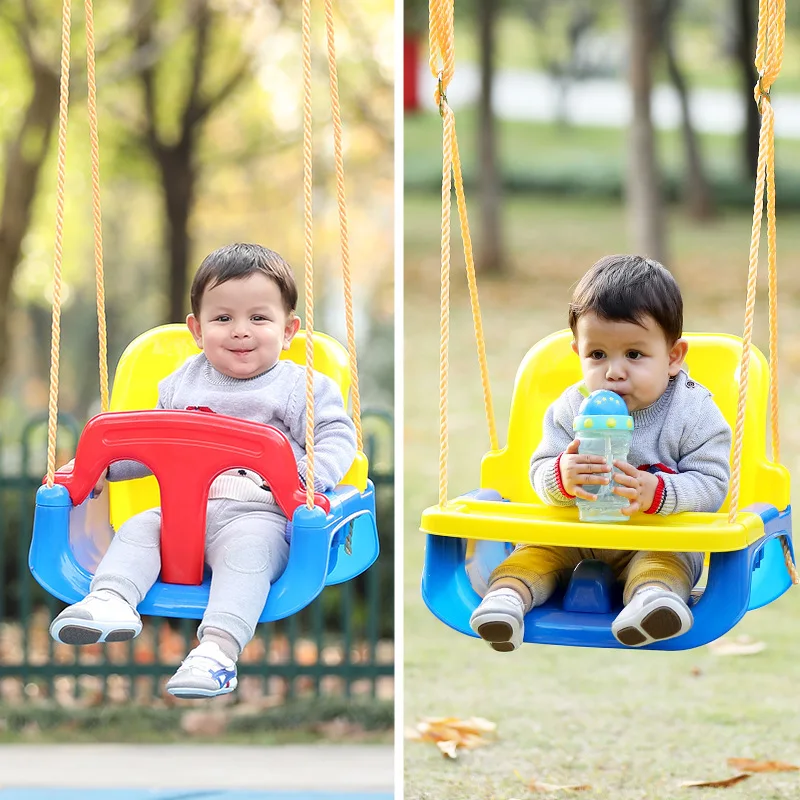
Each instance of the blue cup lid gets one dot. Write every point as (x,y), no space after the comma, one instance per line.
(603,410)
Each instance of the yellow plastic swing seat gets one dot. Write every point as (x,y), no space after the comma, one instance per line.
(160,351)
(546,371)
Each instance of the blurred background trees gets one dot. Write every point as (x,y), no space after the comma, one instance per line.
(200,138)
(649,101)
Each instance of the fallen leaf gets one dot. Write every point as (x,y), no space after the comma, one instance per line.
(540,786)
(450,733)
(695,672)
(751,765)
(723,784)
(448,748)
(740,646)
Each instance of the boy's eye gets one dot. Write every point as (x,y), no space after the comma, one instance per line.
(260,318)
(634,355)
(596,355)
(223,318)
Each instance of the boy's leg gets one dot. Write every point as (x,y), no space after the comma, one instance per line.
(247,551)
(657,588)
(525,579)
(123,577)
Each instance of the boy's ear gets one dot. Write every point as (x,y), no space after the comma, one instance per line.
(290,331)
(194,329)
(677,355)
(575,347)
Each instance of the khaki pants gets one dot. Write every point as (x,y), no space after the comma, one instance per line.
(535,571)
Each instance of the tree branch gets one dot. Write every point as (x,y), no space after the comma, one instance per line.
(193,103)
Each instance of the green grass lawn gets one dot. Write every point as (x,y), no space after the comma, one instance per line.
(593,160)
(633,725)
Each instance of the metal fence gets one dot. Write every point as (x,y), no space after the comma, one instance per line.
(341,644)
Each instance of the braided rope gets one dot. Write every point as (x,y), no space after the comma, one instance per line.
(444,304)
(102,335)
(770,41)
(442,64)
(61,170)
(341,198)
(308,232)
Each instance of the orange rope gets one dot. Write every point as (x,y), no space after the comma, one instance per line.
(770,40)
(444,307)
(102,335)
(55,336)
(308,231)
(442,64)
(336,117)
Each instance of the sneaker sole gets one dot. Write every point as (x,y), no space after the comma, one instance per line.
(199,694)
(660,624)
(663,623)
(80,632)
(499,635)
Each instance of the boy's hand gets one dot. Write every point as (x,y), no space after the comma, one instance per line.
(635,484)
(578,469)
(101,482)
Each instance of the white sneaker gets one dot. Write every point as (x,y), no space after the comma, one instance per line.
(101,616)
(499,620)
(652,615)
(205,672)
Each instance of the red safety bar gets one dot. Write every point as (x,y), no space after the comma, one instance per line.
(186,450)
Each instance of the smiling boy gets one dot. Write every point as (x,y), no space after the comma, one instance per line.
(243,316)
(626,317)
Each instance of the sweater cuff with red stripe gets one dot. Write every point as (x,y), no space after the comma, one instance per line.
(559,485)
(658,498)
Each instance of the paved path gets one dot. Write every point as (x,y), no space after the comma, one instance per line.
(177,794)
(210,772)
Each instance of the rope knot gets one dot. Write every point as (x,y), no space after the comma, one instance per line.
(761,92)
(440,95)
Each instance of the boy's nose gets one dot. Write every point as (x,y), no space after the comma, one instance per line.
(241,330)
(615,371)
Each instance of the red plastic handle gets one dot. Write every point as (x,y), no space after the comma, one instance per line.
(186,450)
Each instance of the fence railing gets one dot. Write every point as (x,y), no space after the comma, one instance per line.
(341,644)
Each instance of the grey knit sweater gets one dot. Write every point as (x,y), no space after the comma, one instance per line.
(682,438)
(276,397)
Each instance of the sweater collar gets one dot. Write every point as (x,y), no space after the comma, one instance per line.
(216,378)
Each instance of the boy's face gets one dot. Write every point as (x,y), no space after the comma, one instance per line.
(243,326)
(635,361)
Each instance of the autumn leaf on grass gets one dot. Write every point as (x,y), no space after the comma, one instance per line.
(740,646)
(723,784)
(450,733)
(751,765)
(540,786)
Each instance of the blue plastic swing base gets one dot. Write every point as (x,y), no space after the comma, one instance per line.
(316,556)
(738,582)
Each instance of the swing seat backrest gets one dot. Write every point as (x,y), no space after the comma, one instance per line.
(156,353)
(713,360)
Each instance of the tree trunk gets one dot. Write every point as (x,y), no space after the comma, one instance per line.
(645,206)
(178,179)
(26,154)
(490,253)
(696,191)
(745,54)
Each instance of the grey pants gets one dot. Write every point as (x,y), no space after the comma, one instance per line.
(246,550)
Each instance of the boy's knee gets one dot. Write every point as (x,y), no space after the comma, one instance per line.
(143,530)
(250,555)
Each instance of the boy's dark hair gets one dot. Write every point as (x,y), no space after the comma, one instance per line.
(238,261)
(626,288)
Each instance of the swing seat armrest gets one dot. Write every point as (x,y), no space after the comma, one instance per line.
(466,517)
